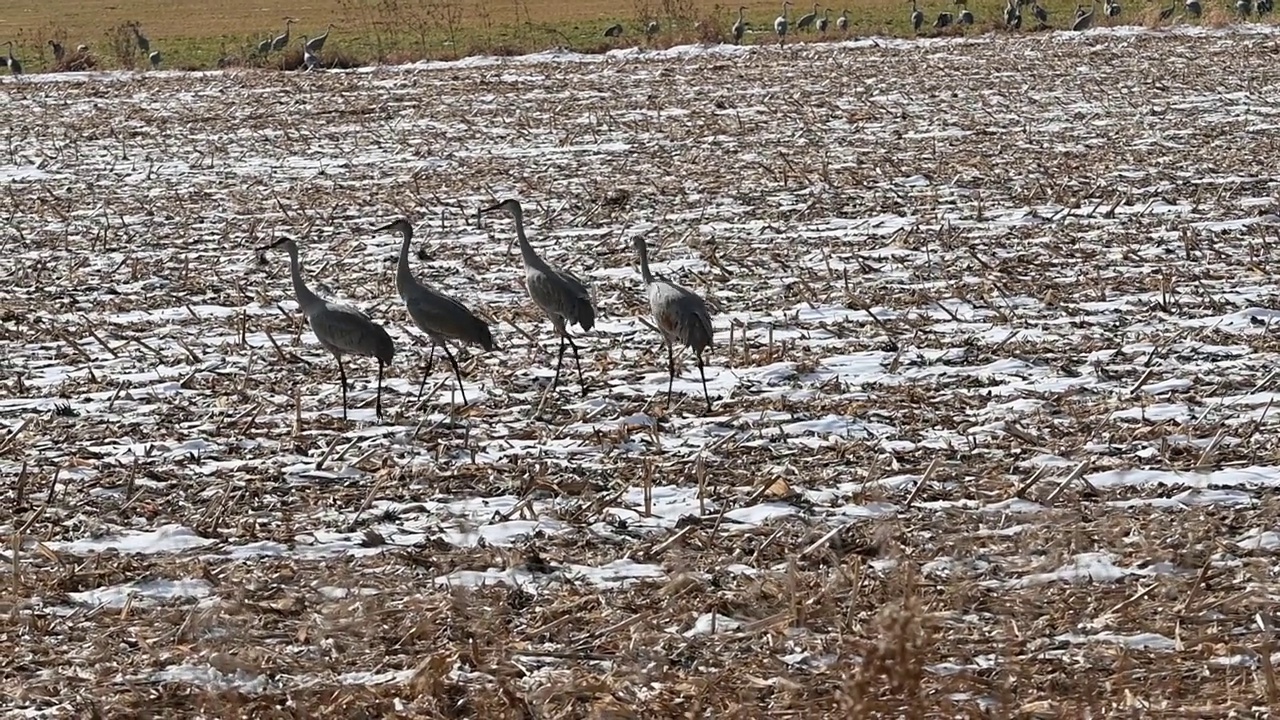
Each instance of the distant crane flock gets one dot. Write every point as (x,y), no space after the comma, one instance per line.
(682,317)
(818,20)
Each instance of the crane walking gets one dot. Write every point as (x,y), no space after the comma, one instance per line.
(560,295)
(144,45)
(842,22)
(155,59)
(309,59)
(316,44)
(59,52)
(441,317)
(342,330)
(282,40)
(682,316)
(740,27)
(806,21)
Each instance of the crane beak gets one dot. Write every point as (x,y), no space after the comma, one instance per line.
(387,227)
(491,208)
(275,244)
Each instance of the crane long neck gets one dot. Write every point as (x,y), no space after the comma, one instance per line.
(642,249)
(305,297)
(526,250)
(404,277)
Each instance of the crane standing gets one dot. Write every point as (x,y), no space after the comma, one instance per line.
(59,52)
(155,59)
(780,24)
(15,67)
(842,22)
(824,22)
(740,27)
(144,45)
(441,317)
(342,330)
(560,295)
(917,17)
(682,316)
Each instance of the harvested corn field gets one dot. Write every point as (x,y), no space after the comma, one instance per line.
(992,379)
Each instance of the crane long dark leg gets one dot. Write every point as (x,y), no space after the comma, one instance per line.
(456,372)
(577,360)
(559,362)
(702,372)
(426,371)
(379,401)
(342,375)
(671,370)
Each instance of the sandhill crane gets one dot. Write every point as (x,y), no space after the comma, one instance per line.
(155,59)
(944,20)
(144,45)
(740,27)
(1113,8)
(613,31)
(1012,15)
(842,22)
(342,330)
(264,47)
(1041,14)
(681,315)
(1168,12)
(1263,7)
(82,49)
(824,22)
(441,317)
(966,17)
(1084,20)
(1243,8)
(15,67)
(1193,8)
(59,52)
(316,44)
(652,28)
(780,24)
(309,59)
(917,17)
(282,40)
(560,295)
(806,21)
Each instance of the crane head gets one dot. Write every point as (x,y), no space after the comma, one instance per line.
(285,241)
(400,225)
(511,205)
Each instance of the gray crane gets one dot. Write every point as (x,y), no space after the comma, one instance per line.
(917,17)
(144,45)
(652,28)
(1012,15)
(155,59)
(15,67)
(441,317)
(316,44)
(59,52)
(682,316)
(341,329)
(1041,14)
(780,25)
(1243,8)
(966,17)
(740,27)
(1083,21)
(1113,8)
(806,21)
(944,20)
(264,47)
(282,40)
(824,22)
(560,295)
(613,31)
(842,22)
(309,59)
(1168,12)
(1193,8)
(1263,7)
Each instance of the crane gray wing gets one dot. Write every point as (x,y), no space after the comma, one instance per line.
(579,307)
(444,315)
(347,330)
